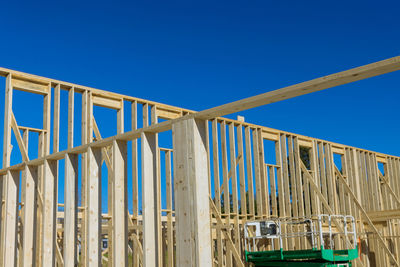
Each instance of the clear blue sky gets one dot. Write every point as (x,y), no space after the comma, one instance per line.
(198,55)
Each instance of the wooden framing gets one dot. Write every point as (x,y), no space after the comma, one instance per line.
(29,215)
(120,204)
(71,210)
(9,221)
(93,256)
(191,184)
(149,180)
(209,158)
(49,212)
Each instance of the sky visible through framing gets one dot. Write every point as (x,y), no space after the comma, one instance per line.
(198,55)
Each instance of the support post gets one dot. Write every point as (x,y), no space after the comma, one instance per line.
(191,194)
(135,187)
(29,216)
(9,225)
(71,209)
(120,204)
(6,160)
(49,213)
(7,123)
(149,202)
(93,255)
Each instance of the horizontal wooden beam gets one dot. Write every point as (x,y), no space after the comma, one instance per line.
(383,215)
(30,86)
(340,78)
(168,114)
(107,102)
(344,77)
(39,80)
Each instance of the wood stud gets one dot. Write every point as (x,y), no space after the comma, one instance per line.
(226,164)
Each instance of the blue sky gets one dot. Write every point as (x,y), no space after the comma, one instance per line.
(201,54)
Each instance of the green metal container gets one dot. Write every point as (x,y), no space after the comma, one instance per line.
(311,257)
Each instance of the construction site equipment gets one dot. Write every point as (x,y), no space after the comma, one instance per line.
(320,241)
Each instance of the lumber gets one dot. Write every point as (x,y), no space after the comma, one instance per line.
(249,167)
(49,212)
(120,204)
(10,221)
(169,200)
(315,85)
(18,136)
(94,207)
(191,190)
(364,213)
(56,119)
(233,161)
(7,122)
(71,109)
(384,215)
(215,158)
(135,186)
(29,215)
(149,202)
(71,210)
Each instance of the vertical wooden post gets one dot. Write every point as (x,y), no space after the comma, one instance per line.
(48,174)
(285,177)
(40,207)
(249,169)
(110,204)
(191,194)
(145,115)
(7,123)
(299,186)
(71,109)
(357,181)
(233,173)
(4,219)
(257,175)
(49,213)
(217,187)
(120,118)
(322,172)
(47,120)
(264,181)
(56,119)
(135,189)
(280,155)
(9,224)
(135,185)
(225,176)
(2,215)
(154,120)
(225,172)
(217,193)
(149,202)
(170,227)
(86,116)
(316,175)
(120,205)
(112,259)
(93,254)
(25,138)
(242,175)
(71,209)
(29,216)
